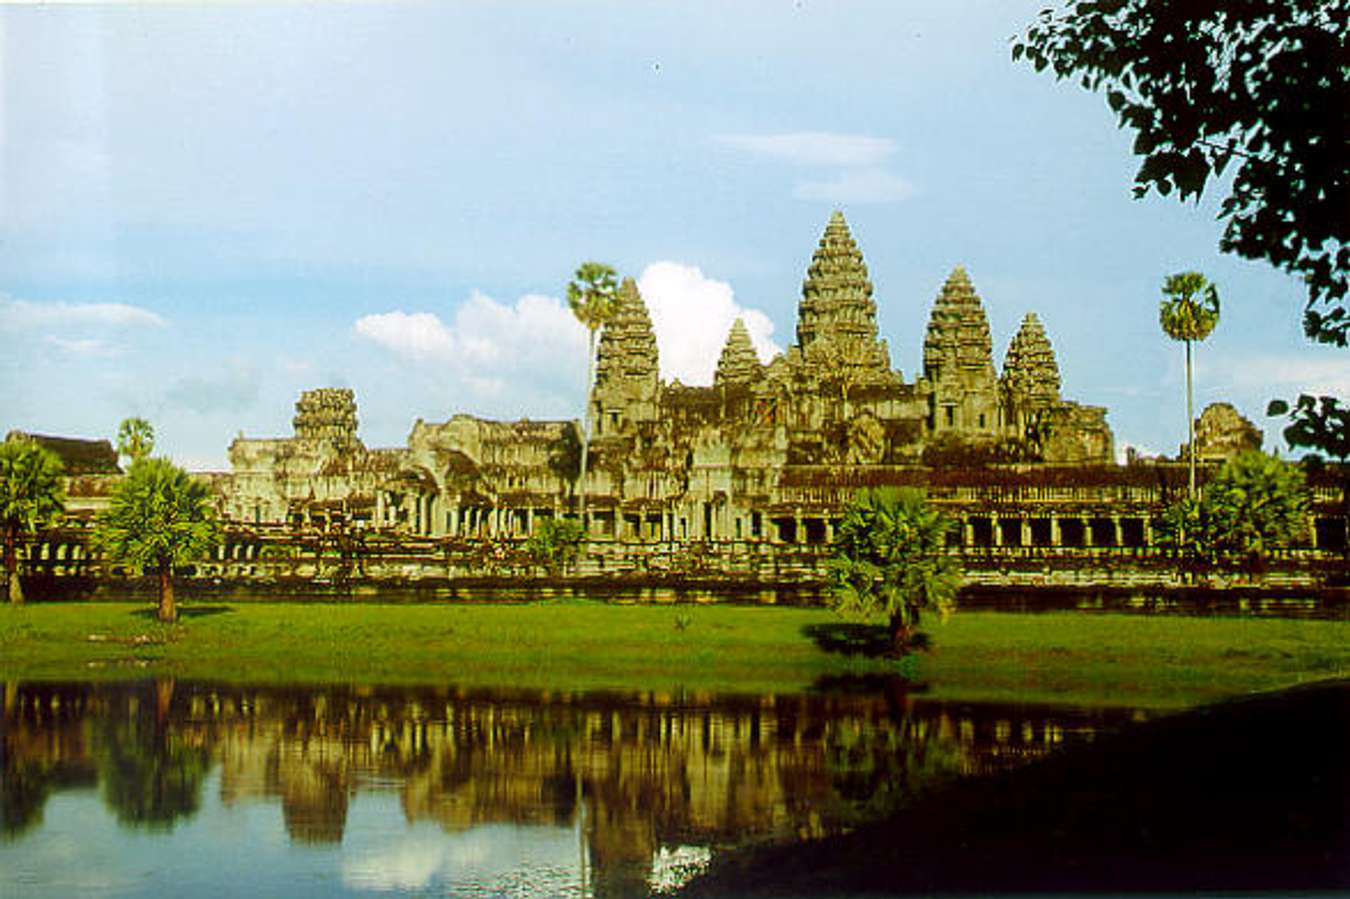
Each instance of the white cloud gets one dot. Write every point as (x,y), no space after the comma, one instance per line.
(691,315)
(22,314)
(81,346)
(856,186)
(1302,373)
(421,335)
(521,358)
(858,160)
(819,148)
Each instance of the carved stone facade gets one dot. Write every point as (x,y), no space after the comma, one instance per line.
(676,463)
(1222,433)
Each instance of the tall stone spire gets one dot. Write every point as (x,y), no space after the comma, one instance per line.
(739,363)
(627,354)
(957,347)
(836,295)
(1030,372)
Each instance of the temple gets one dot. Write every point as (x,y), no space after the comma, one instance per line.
(738,482)
(677,462)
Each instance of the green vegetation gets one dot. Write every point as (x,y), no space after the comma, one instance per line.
(1209,84)
(555,543)
(889,561)
(1256,504)
(31,497)
(135,439)
(1189,313)
(593,296)
(159,518)
(576,645)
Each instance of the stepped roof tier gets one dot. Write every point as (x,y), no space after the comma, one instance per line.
(739,363)
(1030,371)
(628,351)
(326,415)
(957,345)
(837,317)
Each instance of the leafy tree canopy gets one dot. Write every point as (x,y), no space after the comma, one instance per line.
(1262,86)
(31,497)
(31,494)
(135,438)
(1191,309)
(890,560)
(159,516)
(555,543)
(593,293)
(1254,505)
(1316,423)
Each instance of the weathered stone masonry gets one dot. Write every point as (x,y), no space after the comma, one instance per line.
(749,475)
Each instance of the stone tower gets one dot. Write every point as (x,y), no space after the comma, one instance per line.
(327,416)
(627,371)
(739,363)
(1030,372)
(837,317)
(958,361)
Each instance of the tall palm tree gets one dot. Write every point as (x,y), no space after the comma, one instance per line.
(159,518)
(593,295)
(31,497)
(135,438)
(1189,313)
(890,559)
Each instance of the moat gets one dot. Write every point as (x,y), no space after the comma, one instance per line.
(156,787)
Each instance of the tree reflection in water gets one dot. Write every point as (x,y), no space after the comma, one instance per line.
(637,776)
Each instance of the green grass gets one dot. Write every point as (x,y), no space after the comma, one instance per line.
(572,645)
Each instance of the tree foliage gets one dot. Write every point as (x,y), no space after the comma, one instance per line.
(31,498)
(1254,505)
(1321,423)
(1191,309)
(890,560)
(555,543)
(593,297)
(1190,313)
(135,438)
(1260,86)
(159,518)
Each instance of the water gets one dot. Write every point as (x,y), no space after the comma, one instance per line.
(164,788)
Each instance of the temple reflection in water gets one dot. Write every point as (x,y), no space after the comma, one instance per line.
(649,783)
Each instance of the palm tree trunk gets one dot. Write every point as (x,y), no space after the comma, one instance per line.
(1190,422)
(586,425)
(12,565)
(167,610)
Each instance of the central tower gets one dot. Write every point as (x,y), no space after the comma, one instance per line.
(837,317)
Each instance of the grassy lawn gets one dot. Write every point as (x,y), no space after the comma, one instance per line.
(571,644)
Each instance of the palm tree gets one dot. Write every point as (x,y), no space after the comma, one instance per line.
(1189,313)
(890,559)
(31,497)
(135,438)
(593,295)
(158,518)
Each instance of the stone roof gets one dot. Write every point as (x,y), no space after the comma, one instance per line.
(957,344)
(628,344)
(78,456)
(739,363)
(326,415)
(1030,371)
(836,295)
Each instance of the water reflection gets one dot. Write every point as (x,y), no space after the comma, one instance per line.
(515,792)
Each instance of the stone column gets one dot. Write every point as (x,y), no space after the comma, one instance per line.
(997,528)
(1056,535)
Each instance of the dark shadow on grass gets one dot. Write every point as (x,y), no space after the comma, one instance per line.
(1247,795)
(870,640)
(187,611)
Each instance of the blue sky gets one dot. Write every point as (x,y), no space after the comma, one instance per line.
(205,210)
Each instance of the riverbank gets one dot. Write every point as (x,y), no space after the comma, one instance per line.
(1244,795)
(1092,659)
